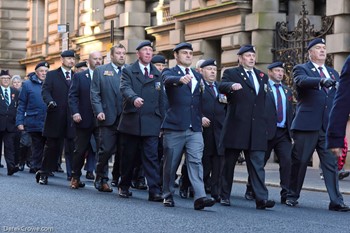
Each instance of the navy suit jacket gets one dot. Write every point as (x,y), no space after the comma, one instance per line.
(184,106)
(144,121)
(314,103)
(8,113)
(79,99)
(271,110)
(341,109)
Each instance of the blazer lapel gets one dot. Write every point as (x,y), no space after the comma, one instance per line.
(245,78)
(113,80)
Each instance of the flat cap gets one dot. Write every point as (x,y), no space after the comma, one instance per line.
(68,53)
(183,45)
(81,64)
(315,42)
(43,63)
(246,48)
(4,73)
(143,44)
(275,64)
(209,62)
(158,59)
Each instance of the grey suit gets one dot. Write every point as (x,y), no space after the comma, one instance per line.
(105,97)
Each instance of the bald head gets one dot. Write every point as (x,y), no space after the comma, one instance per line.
(95,59)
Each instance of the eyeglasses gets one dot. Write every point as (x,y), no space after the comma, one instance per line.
(5,78)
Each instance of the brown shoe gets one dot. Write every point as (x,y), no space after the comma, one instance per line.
(105,188)
(75,183)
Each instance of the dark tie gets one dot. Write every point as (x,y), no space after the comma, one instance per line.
(323,76)
(212,89)
(279,103)
(251,79)
(67,77)
(187,70)
(146,72)
(7,99)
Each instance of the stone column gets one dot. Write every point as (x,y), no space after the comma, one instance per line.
(339,43)
(262,23)
(134,20)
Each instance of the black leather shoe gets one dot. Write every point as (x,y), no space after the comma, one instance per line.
(190,192)
(43,180)
(141,184)
(249,195)
(216,198)
(283,200)
(183,193)
(114,183)
(261,205)
(124,193)
(340,207)
(1,165)
(12,170)
(90,176)
(169,201)
(156,197)
(203,202)
(21,167)
(37,176)
(343,174)
(291,203)
(225,202)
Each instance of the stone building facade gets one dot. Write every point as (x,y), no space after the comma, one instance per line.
(216,28)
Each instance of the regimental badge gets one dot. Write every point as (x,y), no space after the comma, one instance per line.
(201,86)
(87,75)
(265,87)
(108,73)
(157,86)
(313,69)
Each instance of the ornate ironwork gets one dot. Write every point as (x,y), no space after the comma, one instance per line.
(290,46)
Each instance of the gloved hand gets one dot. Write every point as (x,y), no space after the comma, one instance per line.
(327,82)
(52,104)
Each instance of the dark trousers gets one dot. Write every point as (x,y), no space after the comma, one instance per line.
(130,153)
(255,161)
(108,140)
(68,155)
(52,152)
(9,139)
(82,145)
(282,145)
(212,170)
(305,142)
(38,143)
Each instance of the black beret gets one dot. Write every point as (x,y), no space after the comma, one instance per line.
(68,53)
(209,62)
(143,44)
(158,59)
(183,45)
(275,64)
(315,42)
(4,73)
(81,64)
(246,48)
(43,63)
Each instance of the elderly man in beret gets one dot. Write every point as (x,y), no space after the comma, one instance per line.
(8,130)
(58,124)
(183,126)
(316,87)
(245,126)
(81,66)
(159,62)
(31,113)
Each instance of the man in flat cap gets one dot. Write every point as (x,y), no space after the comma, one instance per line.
(245,125)
(106,101)
(83,116)
(31,113)
(316,87)
(81,66)
(58,122)
(182,126)
(8,131)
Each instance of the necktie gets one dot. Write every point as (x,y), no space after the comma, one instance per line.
(279,103)
(67,78)
(322,76)
(7,99)
(187,70)
(251,79)
(146,72)
(212,89)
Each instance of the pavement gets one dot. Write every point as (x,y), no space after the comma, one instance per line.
(312,180)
